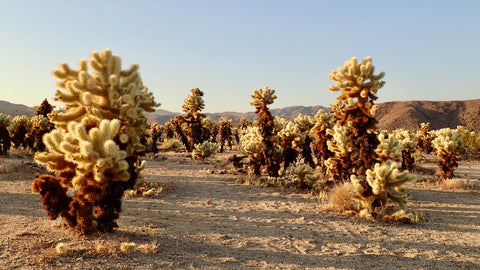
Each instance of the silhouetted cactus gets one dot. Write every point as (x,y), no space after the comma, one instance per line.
(226,135)
(5,141)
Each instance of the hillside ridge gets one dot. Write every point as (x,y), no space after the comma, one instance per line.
(391,115)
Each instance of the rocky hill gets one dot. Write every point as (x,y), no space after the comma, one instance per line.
(391,115)
(15,109)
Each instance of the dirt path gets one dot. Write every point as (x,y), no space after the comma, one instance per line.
(207,221)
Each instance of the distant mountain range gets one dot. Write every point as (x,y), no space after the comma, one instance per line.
(391,115)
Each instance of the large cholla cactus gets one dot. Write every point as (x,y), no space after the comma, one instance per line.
(93,148)
(261,99)
(448,144)
(354,108)
(5,141)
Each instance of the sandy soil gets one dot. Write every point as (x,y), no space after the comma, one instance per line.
(208,221)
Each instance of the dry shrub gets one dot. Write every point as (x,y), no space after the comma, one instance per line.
(340,198)
(11,166)
(459,183)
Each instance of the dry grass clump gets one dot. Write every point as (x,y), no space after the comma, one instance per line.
(340,198)
(459,183)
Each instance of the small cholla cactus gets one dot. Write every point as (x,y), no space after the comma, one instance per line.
(251,145)
(40,125)
(409,141)
(189,127)
(448,144)
(471,142)
(291,142)
(304,176)
(5,141)
(226,134)
(210,129)
(169,130)
(425,138)
(261,99)
(205,150)
(94,147)
(18,129)
(304,124)
(244,123)
(388,148)
(44,108)
(383,182)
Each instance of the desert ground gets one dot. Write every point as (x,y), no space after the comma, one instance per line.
(205,219)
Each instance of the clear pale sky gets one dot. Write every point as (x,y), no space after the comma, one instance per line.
(429,50)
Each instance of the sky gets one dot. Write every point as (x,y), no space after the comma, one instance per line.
(429,50)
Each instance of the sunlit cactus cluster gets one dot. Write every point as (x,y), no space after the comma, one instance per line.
(93,148)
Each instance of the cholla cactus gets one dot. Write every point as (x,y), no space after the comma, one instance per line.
(5,142)
(39,126)
(189,127)
(339,165)
(225,133)
(383,182)
(304,124)
(291,142)
(354,108)
(210,129)
(425,137)
(262,98)
(323,122)
(471,142)
(388,148)
(251,145)
(205,150)
(19,128)
(409,141)
(304,176)
(93,148)
(44,108)
(448,144)
(169,130)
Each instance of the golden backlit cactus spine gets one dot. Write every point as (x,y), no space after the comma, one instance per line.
(93,148)
(447,144)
